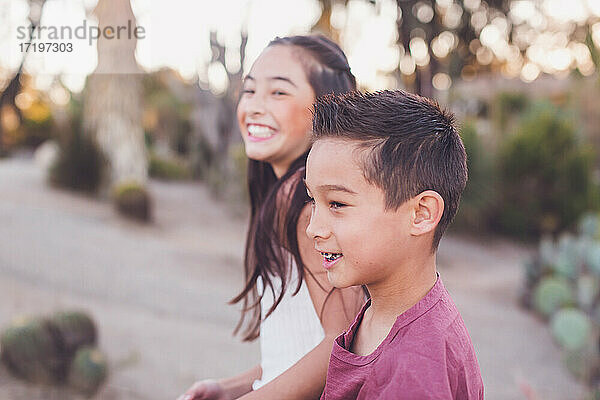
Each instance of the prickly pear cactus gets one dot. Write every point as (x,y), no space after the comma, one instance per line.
(592,258)
(71,330)
(589,225)
(88,370)
(565,265)
(587,291)
(563,274)
(29,351)
(547,251)
(571,328)
(582,363)
(550,294)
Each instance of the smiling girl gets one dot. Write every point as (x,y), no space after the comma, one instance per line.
(287,300)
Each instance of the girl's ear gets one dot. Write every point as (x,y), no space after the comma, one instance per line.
(427,212)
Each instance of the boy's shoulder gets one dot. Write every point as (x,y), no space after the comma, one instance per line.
(438,335)
(435,345)
(439,331)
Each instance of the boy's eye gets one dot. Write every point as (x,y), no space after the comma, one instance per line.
(336,205)
(279,93)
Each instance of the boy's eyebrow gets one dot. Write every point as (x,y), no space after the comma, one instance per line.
(280,78)
(334,188)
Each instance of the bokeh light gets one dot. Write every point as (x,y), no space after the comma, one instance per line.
(441,81)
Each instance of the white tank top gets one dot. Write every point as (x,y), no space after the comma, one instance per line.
(292,330)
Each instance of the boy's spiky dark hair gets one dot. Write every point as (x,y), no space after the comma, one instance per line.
(412,145)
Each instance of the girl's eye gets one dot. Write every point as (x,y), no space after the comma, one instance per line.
(336,205)
(247,91)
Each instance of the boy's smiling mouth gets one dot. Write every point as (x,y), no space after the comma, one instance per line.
(329,259)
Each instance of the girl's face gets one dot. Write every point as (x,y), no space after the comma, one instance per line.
(274,112)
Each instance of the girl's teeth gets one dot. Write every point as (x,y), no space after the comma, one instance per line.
(260,131)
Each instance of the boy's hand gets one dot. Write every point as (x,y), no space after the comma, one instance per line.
(207,389)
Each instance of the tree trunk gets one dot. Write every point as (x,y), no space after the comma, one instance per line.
(113,102)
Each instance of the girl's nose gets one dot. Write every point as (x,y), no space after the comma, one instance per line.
(255,105)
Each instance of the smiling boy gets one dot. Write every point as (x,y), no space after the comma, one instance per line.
(385,175)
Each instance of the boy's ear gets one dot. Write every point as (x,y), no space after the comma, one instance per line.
(428,208)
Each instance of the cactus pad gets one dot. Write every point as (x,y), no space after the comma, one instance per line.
(571,328)
(551,294)
(88,370)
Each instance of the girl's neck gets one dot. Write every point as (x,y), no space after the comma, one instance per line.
(279,169)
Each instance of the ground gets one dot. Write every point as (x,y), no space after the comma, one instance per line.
(159,292)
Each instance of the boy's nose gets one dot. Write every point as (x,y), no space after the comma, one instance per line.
(316,229)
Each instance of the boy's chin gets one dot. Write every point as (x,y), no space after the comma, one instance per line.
(337,281)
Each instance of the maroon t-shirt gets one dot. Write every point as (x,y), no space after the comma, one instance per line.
(428,354)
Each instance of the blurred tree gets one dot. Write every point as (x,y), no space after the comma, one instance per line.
(167,107)
(323,24)
(463,38)
(595,54)
(442,37)
(214,122)
(7,100)
(113,101)
(9,94)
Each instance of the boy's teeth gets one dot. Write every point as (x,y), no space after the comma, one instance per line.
(260,131)
(331,256)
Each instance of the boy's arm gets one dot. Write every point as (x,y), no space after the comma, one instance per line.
(306,378)
(303,380)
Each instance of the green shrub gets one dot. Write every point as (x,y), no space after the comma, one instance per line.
(79,164)
(507,107)
(162,168)
(227,179)
(478,197)
(133,201)
(545,176)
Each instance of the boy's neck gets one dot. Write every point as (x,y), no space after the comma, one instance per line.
(403,290)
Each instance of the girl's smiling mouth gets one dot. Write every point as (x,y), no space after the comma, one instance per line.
(259,132)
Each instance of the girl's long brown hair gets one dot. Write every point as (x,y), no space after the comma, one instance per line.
(276,204)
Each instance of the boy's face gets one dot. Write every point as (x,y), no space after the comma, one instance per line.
(349,218)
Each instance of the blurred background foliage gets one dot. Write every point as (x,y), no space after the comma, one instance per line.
(562,287)
(533,167)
